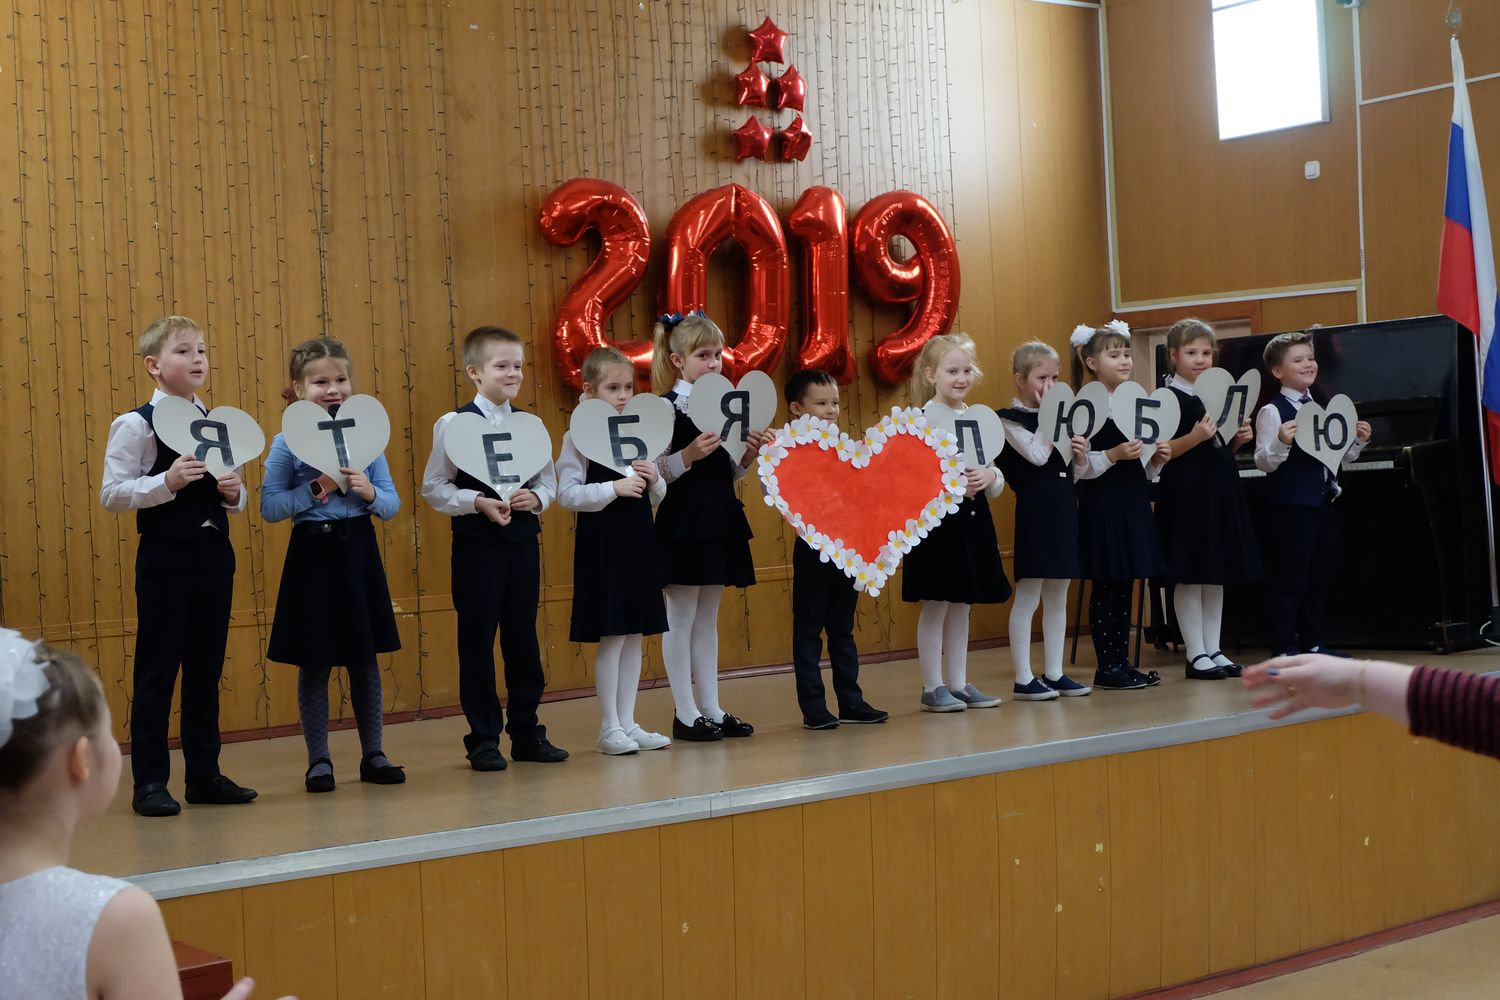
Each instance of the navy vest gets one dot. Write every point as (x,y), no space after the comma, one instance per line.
(1301,480)
(183,517)
(523,524)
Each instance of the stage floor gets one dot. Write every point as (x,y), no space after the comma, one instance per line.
(447,809)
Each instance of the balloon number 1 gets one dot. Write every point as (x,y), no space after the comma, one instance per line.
(930,279)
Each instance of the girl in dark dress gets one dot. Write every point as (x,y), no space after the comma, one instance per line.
(1117,542)
(616,600)
(1046,527)
(958,564)
(1201,513)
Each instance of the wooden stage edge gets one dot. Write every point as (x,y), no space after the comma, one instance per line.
(446,810)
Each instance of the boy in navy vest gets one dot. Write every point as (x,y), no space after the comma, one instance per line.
(496,567)
(1302,490)
(184,579)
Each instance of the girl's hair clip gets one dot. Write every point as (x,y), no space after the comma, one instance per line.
(670,320)
(22,681)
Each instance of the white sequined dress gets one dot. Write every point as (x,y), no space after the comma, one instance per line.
(47,919)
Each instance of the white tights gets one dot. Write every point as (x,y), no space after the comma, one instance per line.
(1052,596)
(617,678)
(691,651)
(1200,618)
(943,644)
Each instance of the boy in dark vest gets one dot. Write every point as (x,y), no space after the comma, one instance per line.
(496,567)
(184,579)
(1303,544)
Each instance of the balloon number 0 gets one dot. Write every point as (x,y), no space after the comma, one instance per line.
(930,279)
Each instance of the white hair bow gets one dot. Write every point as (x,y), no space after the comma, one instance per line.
(1082,334)
(1118,326)
(22,681)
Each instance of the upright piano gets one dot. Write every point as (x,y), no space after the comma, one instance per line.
(1413,557)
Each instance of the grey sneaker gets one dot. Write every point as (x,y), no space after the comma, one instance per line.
(939,699)
(975,698)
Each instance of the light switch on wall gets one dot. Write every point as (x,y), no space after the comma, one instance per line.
(1312,170)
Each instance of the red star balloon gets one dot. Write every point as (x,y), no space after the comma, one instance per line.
(766,42)
(796,140)
(752,139)
(791,90)
(752,86)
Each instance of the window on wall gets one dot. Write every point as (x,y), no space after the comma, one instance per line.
(1268,65)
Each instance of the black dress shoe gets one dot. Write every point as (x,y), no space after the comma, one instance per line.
(864,714)
(1212,672)
(316,783)
(1230,669)
(821,719)
(154,800)
(701,731)
(487,759)
(220,791)
(1326,651)
(732,728)
(382,774)
(537,751)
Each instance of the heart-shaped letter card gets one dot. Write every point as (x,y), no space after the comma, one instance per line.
(863,504)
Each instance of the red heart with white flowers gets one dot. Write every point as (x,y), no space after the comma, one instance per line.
(863,503)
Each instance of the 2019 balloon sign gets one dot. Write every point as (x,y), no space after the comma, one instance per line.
(930,279)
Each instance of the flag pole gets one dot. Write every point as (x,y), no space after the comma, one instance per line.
(1484,479)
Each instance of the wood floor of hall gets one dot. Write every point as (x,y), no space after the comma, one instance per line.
(443,794)
(1459,963)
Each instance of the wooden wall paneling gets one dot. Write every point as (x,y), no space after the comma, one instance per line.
(838,898)
(1405,870)
(1028,842)
(465,910)
(622,883)
(1085,856)
(769,930)
(1301,311)
(547,952)
(1362,830)
(1184,862)
(214,922)
(1404,45)
(903,845)
(378,935)
(698,919)
(1136,873)
(1481,797)
(1320,849)
(965,820)
(290,938)
(1442,815)
(1234,831)
(1277,870)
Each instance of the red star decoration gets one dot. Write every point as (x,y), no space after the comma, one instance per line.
(796,140)
(752,139)
(752,86)
(791,90)
(766,42)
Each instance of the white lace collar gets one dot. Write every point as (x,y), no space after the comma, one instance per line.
(1016,404)
(682,390)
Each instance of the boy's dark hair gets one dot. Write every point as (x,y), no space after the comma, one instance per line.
(796,387)
(479,340)
(1276,350)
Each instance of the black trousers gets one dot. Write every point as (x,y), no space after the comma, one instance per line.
(1303,546)
(497,584)
(183,592)
(823,600)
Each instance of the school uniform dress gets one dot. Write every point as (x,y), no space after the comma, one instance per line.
(1046,541)
(184,585)
(615,572)
(1201,514)
(702,536)
(496,574)
(959,560)
(1117,538)
(333,607)
(1304,532)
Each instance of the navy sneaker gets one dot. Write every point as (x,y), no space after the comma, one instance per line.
(1035,690)
(1067,687)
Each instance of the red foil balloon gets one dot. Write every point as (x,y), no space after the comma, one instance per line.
(570,211)
(930,278)
(752,86)
(767,42)
(737,213)
(820,224)
(796,140)
(791,90)
(752,139)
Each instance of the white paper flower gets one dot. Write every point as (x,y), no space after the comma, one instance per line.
(951,465)
(1081,335)
(827,436)
(22,681)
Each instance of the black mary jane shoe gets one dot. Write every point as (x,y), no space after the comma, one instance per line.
(701,731)
(1212,672)
(732,728)
(320,782)
(1230,669)
(384,774)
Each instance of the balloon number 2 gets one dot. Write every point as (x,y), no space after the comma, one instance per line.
(929,279)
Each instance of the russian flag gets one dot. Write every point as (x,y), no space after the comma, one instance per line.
(1466,268)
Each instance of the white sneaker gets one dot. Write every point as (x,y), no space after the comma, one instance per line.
(616,743)
(648,741)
